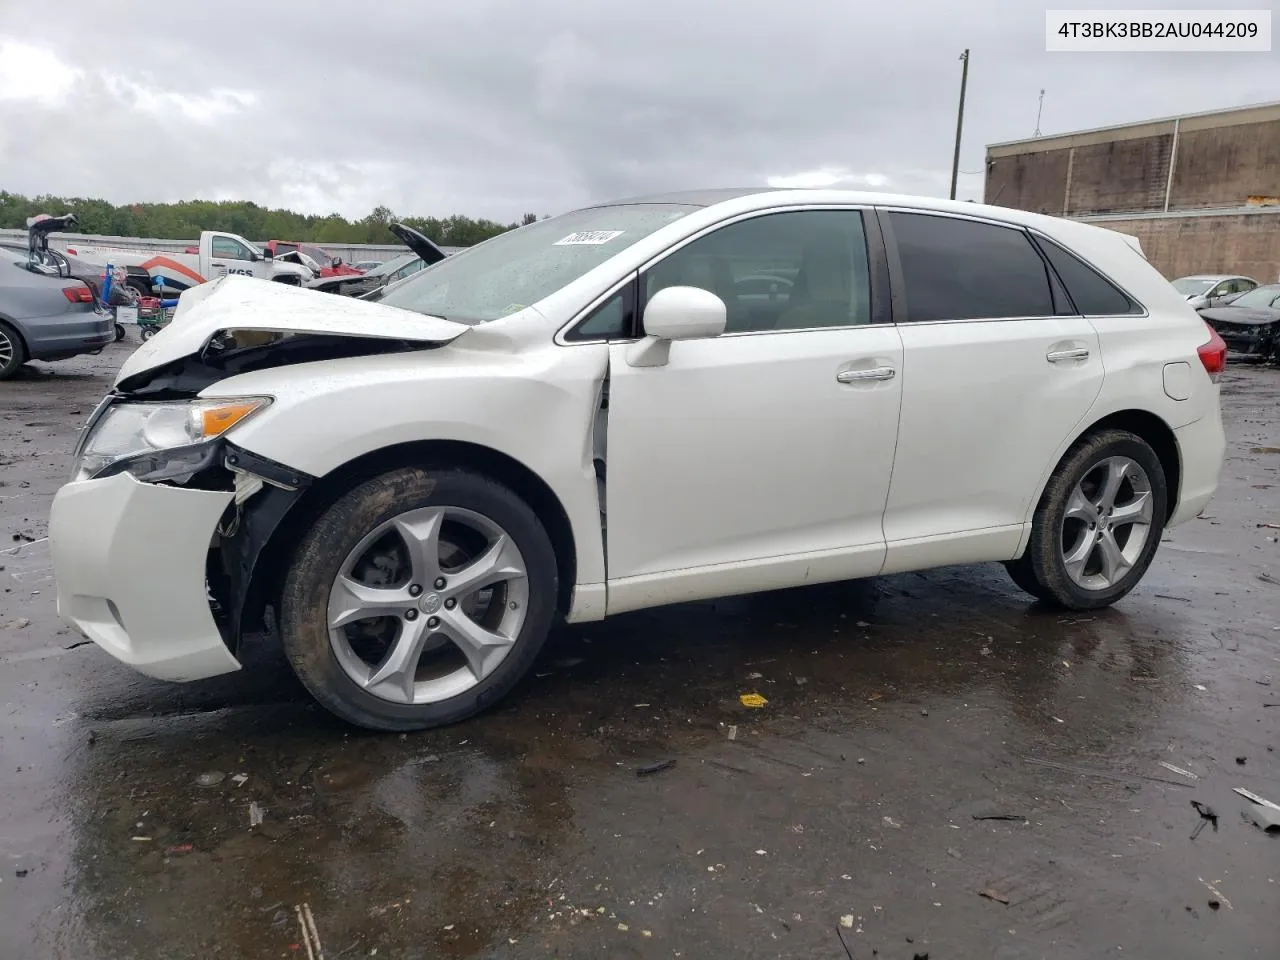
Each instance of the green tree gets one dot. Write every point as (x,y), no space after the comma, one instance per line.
(186,219)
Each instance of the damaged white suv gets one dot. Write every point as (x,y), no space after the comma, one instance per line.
(633,404)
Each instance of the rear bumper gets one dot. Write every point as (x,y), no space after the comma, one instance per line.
(130,561)
(1202,446)
(89,332)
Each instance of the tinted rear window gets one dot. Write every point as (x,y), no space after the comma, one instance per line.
(957,269)
(1093,294)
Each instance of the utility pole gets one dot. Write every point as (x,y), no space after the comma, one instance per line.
(1039,111)
(955,163)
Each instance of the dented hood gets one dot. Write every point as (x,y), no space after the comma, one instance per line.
(246,303)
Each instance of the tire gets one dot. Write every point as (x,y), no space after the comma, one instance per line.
(139,287)
(119,332)
(13,352)
(147,333)
(1061,532)
(342,666)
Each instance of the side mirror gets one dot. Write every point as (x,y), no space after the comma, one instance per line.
(266,254)
(676,313)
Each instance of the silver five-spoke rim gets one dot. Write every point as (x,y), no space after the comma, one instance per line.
(1107,523)
(6,349)
(428,605)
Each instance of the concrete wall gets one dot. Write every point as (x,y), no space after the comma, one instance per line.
(1226,162)
(1247,244)
(1219,160)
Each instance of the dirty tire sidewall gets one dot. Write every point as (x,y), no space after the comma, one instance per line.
(19,353)
(304,626)
(1044,553)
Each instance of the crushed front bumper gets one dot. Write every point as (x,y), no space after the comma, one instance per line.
(130,559)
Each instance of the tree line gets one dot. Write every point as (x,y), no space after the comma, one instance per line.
(185,220)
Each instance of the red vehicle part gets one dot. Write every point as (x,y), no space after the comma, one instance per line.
(330,266)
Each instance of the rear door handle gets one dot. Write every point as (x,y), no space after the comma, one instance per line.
(1058,356)
(875,373)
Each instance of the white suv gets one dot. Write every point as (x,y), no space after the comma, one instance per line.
(607,411)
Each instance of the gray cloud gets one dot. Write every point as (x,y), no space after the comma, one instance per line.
(497,107)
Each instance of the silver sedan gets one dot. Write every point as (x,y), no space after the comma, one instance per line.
(46,315)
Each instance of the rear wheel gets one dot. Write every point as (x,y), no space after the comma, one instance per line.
(1098,524)
(418,599)
(13,353)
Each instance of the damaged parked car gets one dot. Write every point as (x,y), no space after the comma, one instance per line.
(1249,324)
(422,253)
(599,413)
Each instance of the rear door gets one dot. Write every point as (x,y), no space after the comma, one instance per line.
(999,370)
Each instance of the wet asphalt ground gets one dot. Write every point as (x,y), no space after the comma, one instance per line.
(843,819)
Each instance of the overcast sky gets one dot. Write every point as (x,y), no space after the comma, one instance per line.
(498,107)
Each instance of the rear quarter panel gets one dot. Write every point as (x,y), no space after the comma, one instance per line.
(1136,349)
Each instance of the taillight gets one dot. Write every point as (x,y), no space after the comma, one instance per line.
(80,294)
(1213,354)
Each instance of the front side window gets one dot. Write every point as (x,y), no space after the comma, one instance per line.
(520,267)
(955,269)
(1093,294)
(796,270)
(229,249)
(1258,297)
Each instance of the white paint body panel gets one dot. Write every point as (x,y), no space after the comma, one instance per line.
(129,559)
(535,405)
(983,412)
(746,449)
(739,465)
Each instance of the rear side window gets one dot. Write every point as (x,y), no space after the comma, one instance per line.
(956,269)
(1093,294)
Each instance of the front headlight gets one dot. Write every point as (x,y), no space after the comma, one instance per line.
(159,441)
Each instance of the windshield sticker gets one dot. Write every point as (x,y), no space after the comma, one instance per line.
(511,308)
(589,237)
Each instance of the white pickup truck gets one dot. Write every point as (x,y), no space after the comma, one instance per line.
(218,255)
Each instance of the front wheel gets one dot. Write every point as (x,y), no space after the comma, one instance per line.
(418,599)
(1098,524)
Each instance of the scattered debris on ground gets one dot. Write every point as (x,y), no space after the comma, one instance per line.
(1207,815)
(1178,770)
(256,814)
(753,700)
(991,893)
(655,768)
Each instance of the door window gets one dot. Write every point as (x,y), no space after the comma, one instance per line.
(798,270)
(954,269)
(1093,294)
(230,249)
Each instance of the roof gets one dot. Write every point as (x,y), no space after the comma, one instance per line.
(1205,120)
(692,198)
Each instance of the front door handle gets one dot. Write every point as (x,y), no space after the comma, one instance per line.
(875,373)
(1058,356)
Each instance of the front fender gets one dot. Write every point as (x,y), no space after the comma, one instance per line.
(536,406)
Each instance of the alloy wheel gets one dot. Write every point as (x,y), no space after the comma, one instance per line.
(428,605)
(1107,523)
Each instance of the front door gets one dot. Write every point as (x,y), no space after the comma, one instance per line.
(228,254)
(760,458)
(999,371)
